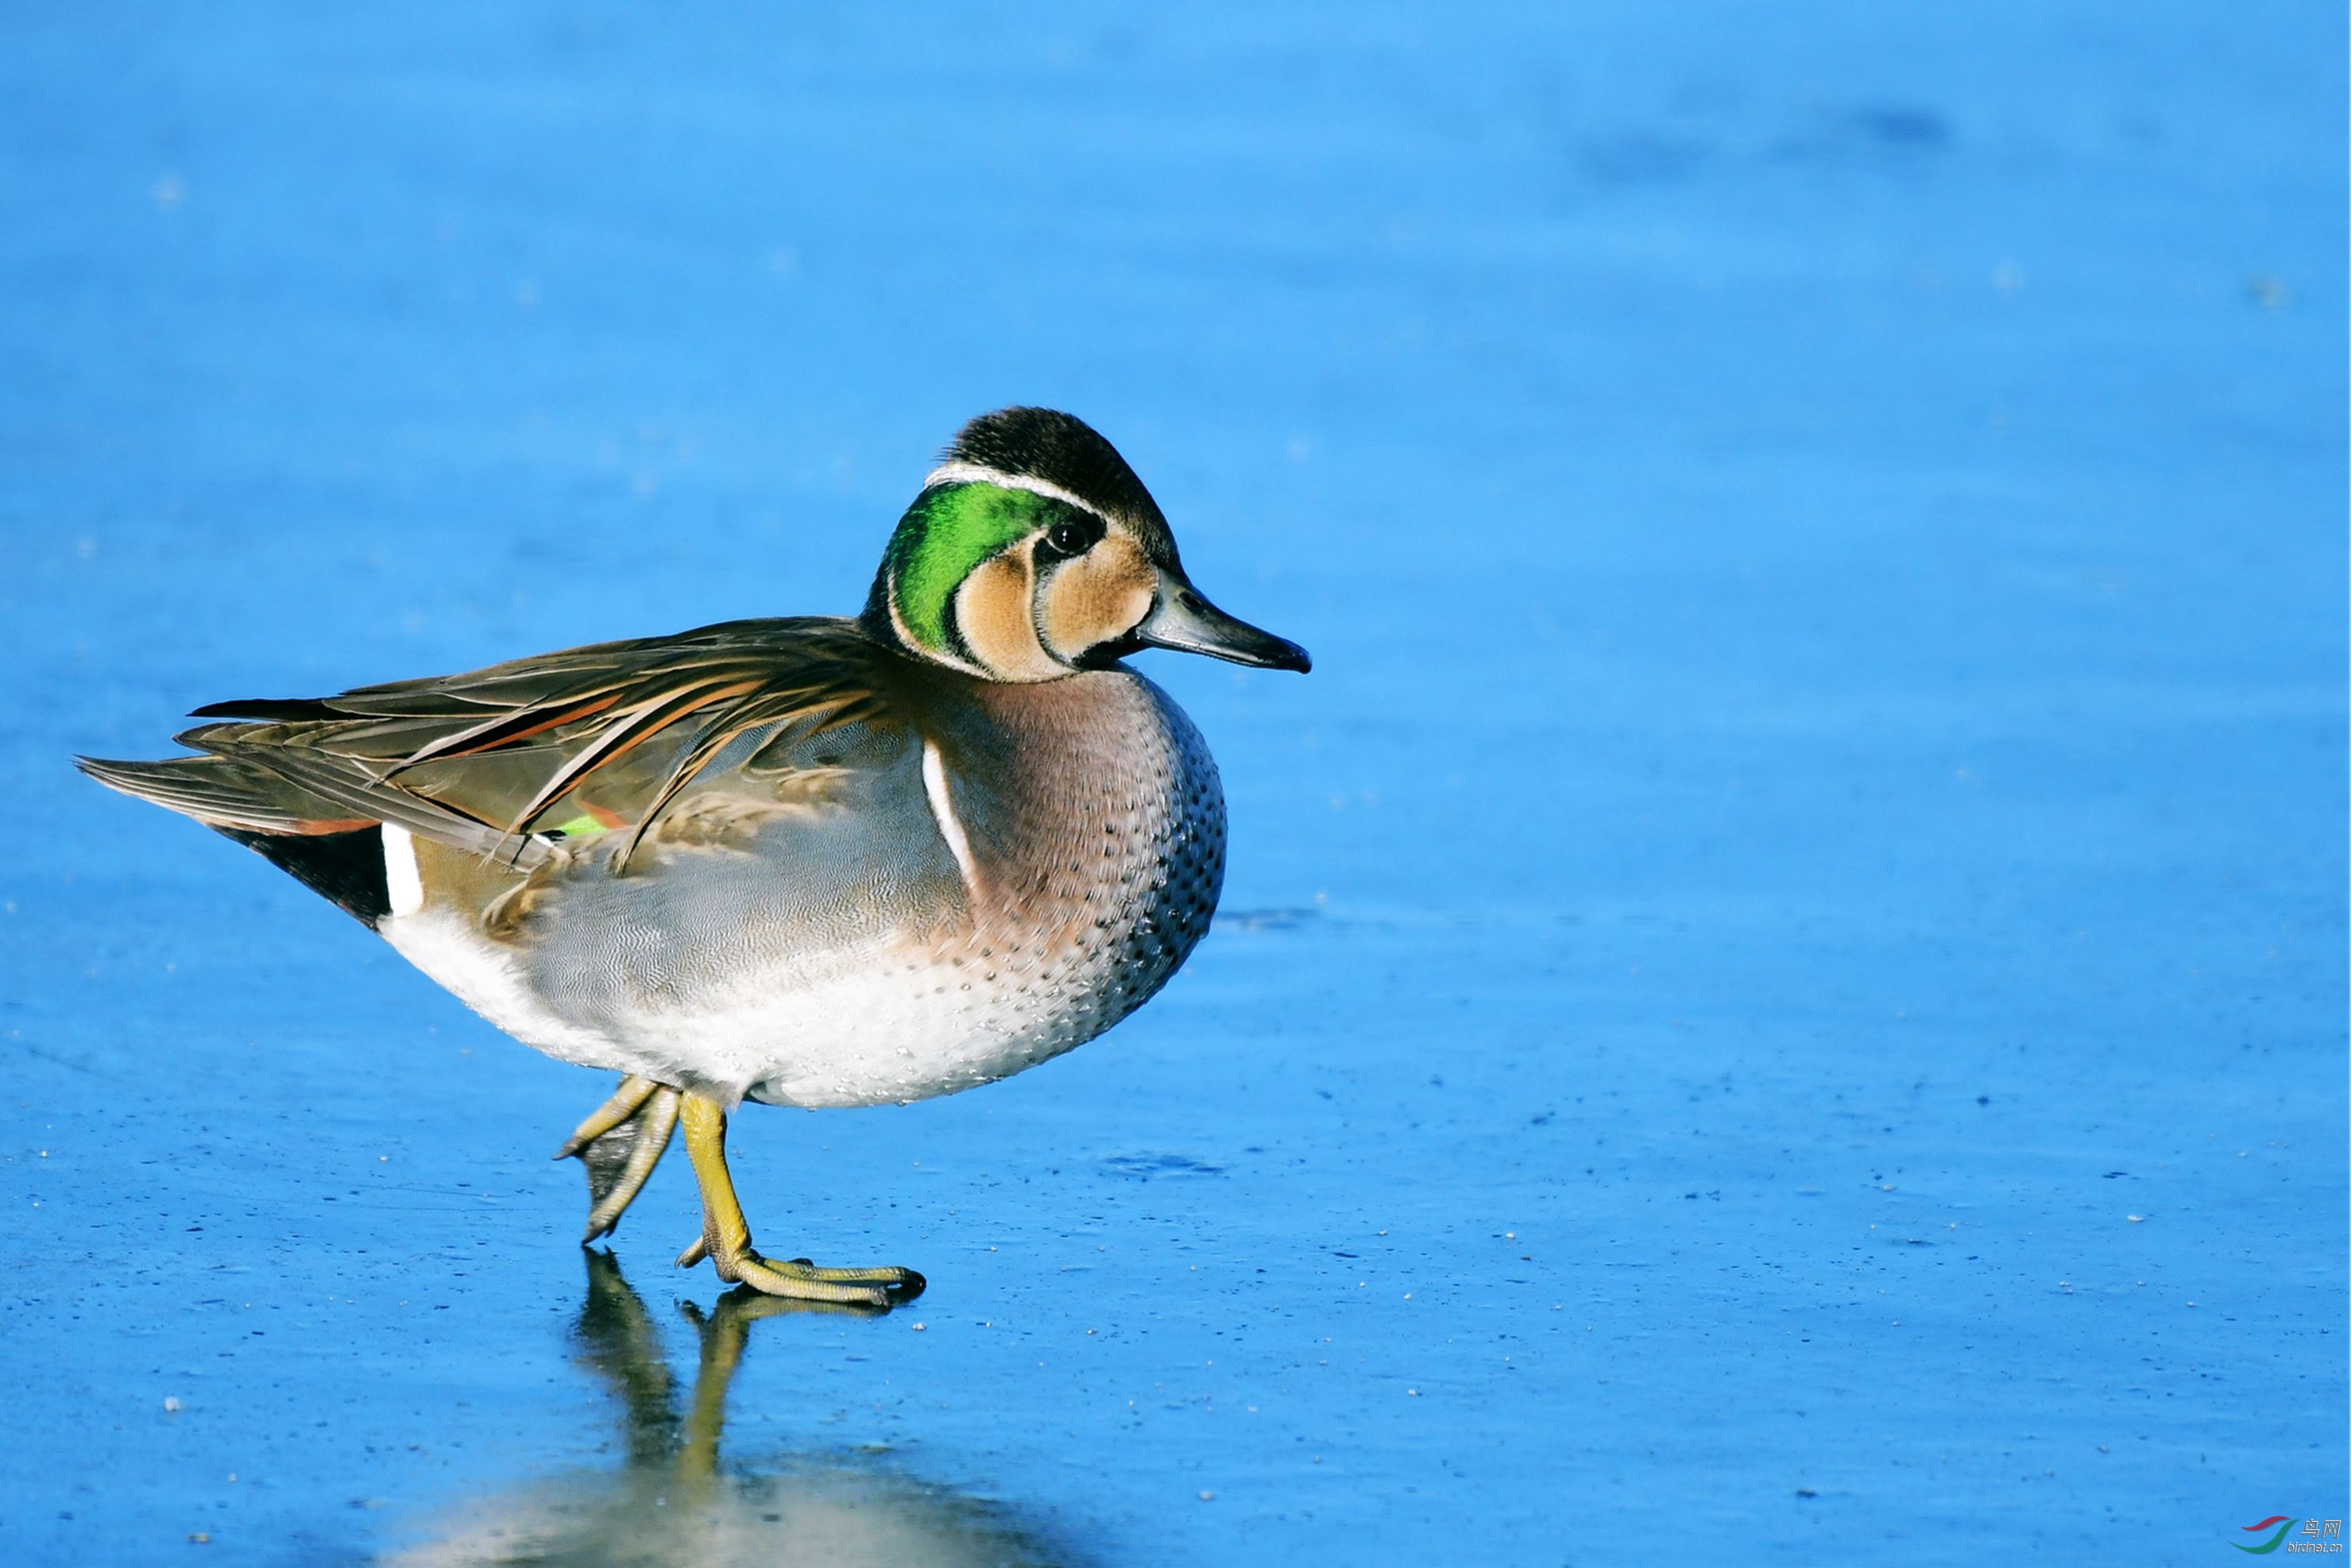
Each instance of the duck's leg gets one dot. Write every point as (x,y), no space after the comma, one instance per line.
(634,1092)
(726,1237)
(620,1144)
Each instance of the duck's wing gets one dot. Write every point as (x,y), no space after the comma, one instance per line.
(496,761)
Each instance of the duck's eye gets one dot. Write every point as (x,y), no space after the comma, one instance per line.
(1069,539)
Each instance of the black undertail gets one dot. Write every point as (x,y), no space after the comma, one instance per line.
(347,868)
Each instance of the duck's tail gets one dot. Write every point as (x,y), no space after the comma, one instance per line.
(340,857)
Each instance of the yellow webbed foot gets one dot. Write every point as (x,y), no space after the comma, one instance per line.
(725,1237)
(620,1144)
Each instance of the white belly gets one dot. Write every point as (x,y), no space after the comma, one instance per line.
(877,1030)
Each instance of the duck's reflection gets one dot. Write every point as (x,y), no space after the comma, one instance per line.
(674,1503)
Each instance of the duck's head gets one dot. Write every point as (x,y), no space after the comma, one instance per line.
(1033,552)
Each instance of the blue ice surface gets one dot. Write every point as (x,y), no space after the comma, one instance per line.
(1782,989)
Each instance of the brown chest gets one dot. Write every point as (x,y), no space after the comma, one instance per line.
(1098,842)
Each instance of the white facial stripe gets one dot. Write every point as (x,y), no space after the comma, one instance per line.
(943,655)
(975,473)
(935,786)
(403,887)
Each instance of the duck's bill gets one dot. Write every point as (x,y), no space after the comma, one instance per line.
(1184,621)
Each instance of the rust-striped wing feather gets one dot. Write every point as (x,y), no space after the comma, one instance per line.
(485,760)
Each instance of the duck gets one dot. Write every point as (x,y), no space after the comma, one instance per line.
(802,861)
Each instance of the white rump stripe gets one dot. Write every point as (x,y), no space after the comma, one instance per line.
(404,887)
(935,786)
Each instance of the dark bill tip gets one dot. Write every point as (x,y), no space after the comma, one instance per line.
(1187,623)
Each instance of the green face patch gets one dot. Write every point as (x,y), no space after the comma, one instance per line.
(944,536)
